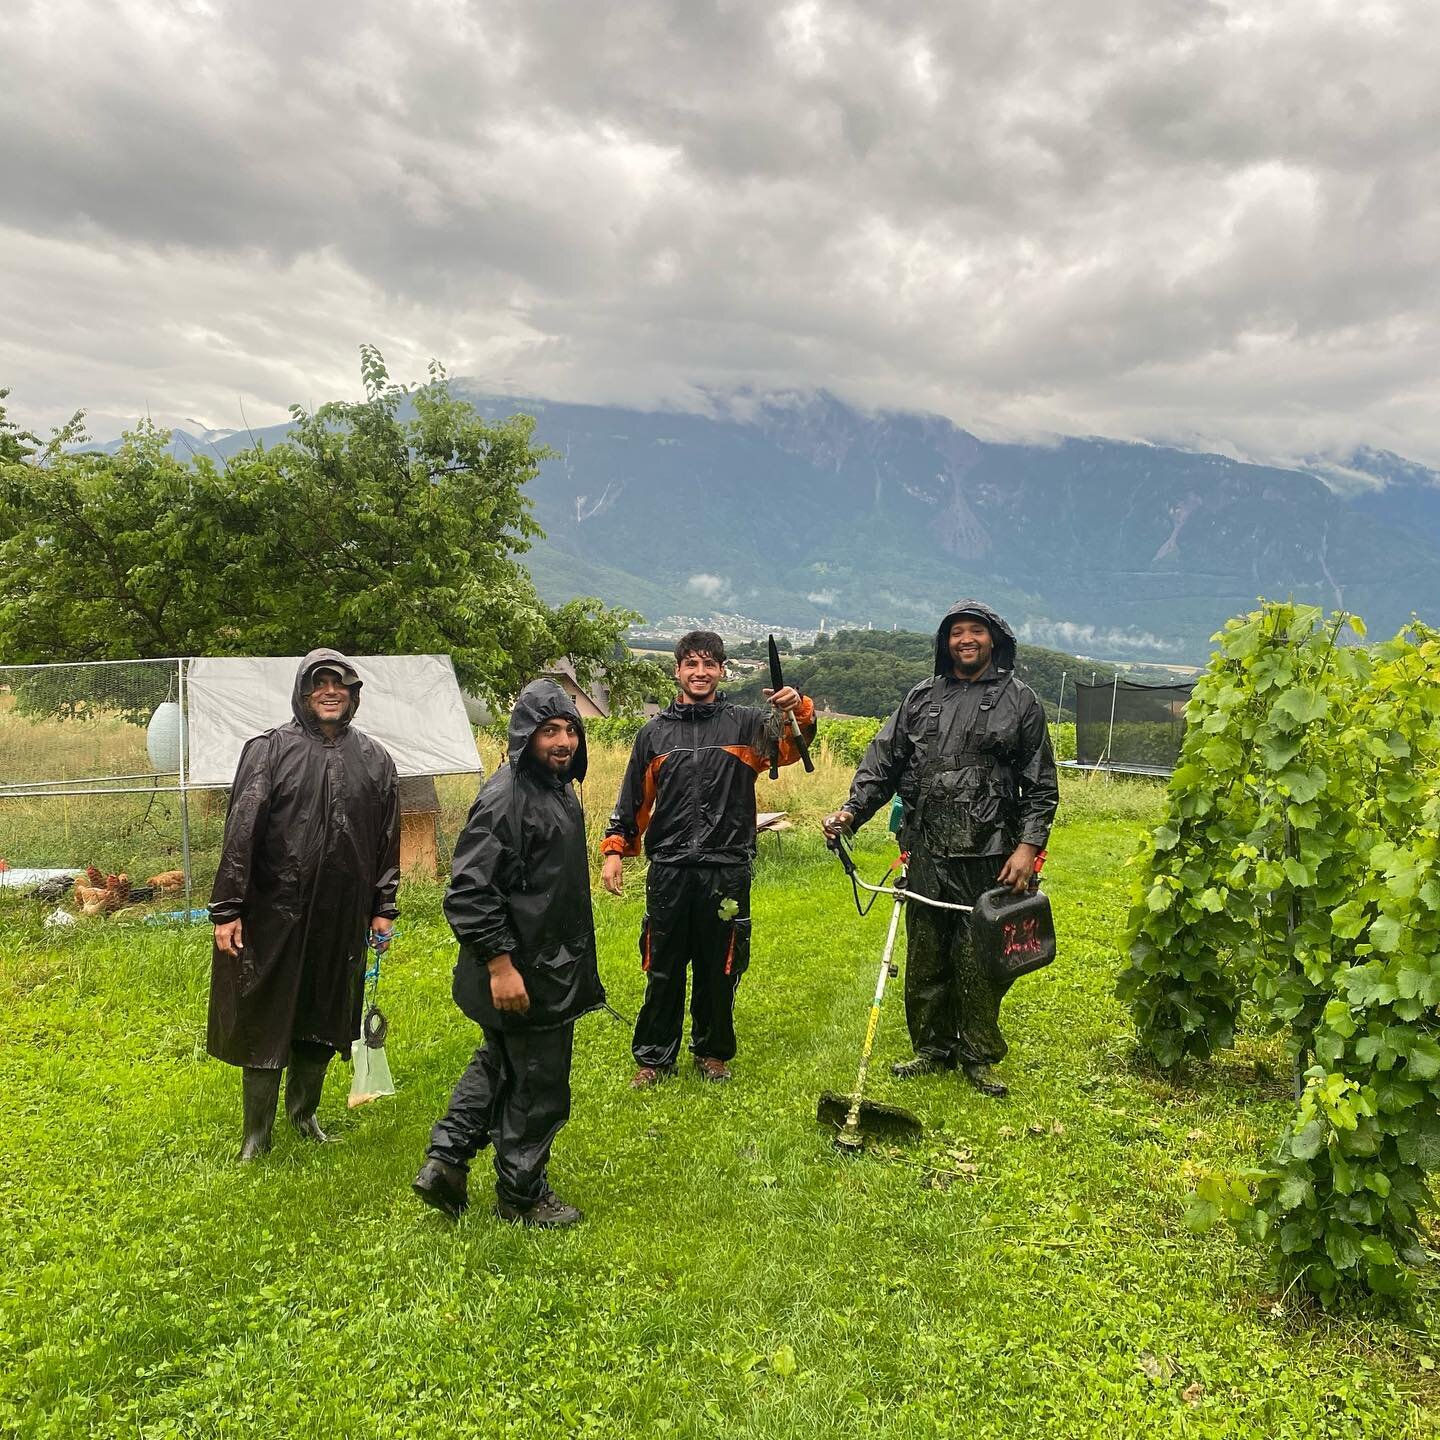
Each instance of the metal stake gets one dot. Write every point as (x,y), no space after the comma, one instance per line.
(184,800)
(1110,739)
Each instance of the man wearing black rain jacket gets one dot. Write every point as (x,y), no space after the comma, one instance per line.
(689,792)
(519,904)
(969,753)
(311,854)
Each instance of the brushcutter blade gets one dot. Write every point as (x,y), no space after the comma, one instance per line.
(883,1122)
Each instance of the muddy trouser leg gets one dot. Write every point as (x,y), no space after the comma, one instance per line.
(533,1104)
(464,1129)
(929,992)
(977,996)
(664,956)
(721,947)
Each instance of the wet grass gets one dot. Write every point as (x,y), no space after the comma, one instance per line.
(1022,1270)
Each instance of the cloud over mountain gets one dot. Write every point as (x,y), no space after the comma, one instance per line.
(1180,219)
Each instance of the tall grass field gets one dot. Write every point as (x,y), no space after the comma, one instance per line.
(1022,1270)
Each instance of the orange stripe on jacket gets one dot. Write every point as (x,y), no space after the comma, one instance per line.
(757,760)
(618,844)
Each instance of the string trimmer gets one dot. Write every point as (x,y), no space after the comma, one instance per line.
(853,1116)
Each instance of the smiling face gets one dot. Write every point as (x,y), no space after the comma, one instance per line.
(698,675)
(329,700)
(971,645)
(553,745)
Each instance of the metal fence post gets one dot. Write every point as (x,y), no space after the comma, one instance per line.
(184,794)
(1110,739)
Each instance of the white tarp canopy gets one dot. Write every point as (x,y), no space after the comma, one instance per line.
(411,704)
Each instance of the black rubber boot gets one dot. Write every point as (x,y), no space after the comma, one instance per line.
(259,1094)
(443,1187)
(549,1212)
(304,1081)
(985,1080)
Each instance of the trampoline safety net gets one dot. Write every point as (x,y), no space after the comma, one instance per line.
(1130,727)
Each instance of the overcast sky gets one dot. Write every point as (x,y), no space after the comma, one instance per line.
(1213,223)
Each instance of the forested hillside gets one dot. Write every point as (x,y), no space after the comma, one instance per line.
(865,672)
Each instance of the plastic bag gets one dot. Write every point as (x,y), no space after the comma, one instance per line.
(372,1077)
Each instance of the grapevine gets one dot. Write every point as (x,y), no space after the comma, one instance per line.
(1297,873)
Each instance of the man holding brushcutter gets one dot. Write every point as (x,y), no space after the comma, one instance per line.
(969,753)
(689,791)
(519,904)
(311,857)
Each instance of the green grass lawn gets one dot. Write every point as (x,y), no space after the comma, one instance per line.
(1021,1271)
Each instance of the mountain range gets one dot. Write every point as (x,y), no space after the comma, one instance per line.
(795,509)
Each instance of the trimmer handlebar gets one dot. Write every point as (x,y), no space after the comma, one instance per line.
(900,890)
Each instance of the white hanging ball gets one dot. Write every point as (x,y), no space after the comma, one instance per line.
(162,738)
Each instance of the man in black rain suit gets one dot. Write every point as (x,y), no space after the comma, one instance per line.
(969,754)
(689,790)
(311,856)
(519,904)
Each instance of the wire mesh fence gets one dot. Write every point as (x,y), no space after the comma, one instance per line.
(1129,727)
(92,778)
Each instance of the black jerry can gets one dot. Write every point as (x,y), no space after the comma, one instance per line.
(1012,934)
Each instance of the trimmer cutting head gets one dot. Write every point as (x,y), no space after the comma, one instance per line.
(875,1121)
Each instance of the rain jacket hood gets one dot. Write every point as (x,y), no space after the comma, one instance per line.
(539,701)
(323,659)
(1003,656)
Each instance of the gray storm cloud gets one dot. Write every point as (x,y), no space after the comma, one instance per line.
(1199,221)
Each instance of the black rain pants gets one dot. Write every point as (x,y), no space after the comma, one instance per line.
(514,1095)
(951,1006)
(696,916)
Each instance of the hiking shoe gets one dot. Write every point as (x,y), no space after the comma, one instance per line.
(442,1187)
(985,1080)
(920,1065)
(648,1075)
(549,1212)
(717,1072)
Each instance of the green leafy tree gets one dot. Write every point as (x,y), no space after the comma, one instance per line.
(15,444)
(390,525)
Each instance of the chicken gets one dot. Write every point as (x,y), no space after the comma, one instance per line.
(168,880)
(55,889)
(102,899)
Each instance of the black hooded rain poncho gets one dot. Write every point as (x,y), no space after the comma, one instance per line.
(521,887)
(972,761)
(311,854)
(521,881)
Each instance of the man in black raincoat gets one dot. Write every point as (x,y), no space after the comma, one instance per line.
(689,791)
(311,857)
(969,754)
(519,904)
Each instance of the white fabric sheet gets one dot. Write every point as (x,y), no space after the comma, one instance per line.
(411,704)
